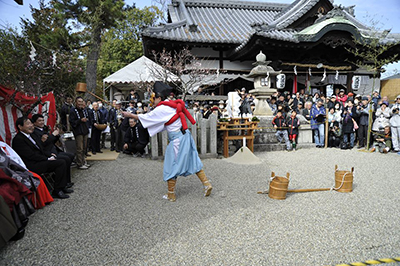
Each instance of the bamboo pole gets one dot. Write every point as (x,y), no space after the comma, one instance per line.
(308,190)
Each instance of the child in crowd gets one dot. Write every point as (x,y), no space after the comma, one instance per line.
(281,132)
(293,124)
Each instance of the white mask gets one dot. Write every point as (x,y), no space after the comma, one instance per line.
(139,105)
(100,105)
(195,109)
(221,106)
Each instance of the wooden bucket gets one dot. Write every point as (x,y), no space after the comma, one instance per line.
(343,180)
(278,186)
(80,87)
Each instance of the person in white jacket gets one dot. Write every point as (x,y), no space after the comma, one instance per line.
(395,127)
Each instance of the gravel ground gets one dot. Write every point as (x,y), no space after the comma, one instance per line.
(117,215)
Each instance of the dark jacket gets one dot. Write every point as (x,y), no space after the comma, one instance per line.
(131,134)
(104,111)
(99,118)
(65,110)
(28,152)
(293,124)
(279,122)
(363,113)
(348,116)
(78,127)
(49,145)
(113,118)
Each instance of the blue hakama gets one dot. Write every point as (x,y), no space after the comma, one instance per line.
(186,161)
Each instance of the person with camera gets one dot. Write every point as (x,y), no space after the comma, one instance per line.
(349,125)
(279,123)
(395,125)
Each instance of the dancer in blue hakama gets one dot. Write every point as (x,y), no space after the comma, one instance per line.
(181,156)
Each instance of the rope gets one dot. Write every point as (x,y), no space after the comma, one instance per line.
(333,188)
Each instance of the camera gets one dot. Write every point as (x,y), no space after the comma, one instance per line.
(395,110)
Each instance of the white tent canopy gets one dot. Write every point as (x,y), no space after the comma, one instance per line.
(140,70)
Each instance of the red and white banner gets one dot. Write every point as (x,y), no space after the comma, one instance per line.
(21,101)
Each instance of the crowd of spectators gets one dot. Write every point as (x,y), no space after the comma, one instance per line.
(348,117)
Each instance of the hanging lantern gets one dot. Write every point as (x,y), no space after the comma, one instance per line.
(356,82)
(280,81)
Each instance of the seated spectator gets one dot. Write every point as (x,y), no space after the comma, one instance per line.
(272,104)
(14,167)
(48,143)
(395,128)
(136,138)
(382,117)
(334,135)
(281,131)
(30,149)
(293,124)
(383,141)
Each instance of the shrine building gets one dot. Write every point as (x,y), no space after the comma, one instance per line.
(308,40)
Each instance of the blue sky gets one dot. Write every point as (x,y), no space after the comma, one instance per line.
(386,12)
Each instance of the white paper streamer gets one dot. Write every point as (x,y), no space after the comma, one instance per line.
(295,70)
(33,52)
(54,59)
(324,75)
(337,75)
(309,71)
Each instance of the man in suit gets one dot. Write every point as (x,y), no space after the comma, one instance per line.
(48,143)
(30,149)
(136,138)
(96,118)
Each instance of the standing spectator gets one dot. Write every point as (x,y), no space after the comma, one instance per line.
(396,104)
(332,102)
(281,132)
(395,127)
(349,113)
(133,96)
(382,117)
(307,110)
(131,107)
(78,117)
(318,115)
(116,119)
(65,110)
(89,104)
(206,111)
(293,124)
(112,131)
(376,98)
(342,97)
(333,117)
(136,138)
(272,104)
(104,113)
(363,113)
(96,119)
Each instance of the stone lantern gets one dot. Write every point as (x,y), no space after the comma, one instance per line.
(263,74)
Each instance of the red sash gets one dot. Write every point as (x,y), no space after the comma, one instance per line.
(181,112)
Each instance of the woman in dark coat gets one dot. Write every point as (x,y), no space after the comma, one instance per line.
(349,113)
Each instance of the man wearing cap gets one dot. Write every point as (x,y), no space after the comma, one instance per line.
(363,113)
(181,156)
(332,102)
(318,116)
(395,125)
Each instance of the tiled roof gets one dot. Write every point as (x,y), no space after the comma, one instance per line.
(214,21)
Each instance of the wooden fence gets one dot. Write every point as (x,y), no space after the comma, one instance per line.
(204,133)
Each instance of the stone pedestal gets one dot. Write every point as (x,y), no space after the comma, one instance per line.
(265,139)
